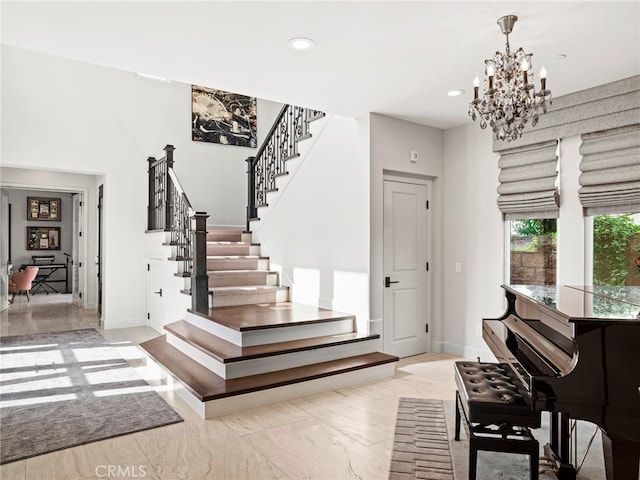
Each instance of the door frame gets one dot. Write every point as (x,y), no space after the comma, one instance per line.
(100,253)
(84,282)
(428,183)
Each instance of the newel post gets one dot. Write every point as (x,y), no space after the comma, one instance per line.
(168,190)
(252,209)
(199,277)
(151,208)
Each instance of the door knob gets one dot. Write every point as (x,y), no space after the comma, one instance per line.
(388,282)
(159,292)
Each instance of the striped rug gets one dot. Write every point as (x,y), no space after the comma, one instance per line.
(421,443)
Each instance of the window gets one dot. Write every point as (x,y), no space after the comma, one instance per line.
(616,249)
(533,252)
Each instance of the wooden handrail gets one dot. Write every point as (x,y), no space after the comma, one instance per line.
(178,186)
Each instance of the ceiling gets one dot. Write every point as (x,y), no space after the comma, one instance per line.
(395,58)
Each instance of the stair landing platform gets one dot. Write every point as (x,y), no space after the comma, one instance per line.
(263,323)
(271,315)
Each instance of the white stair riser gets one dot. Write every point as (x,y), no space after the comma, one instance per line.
(272,363)
(199,356)
(225,333)
(285,334)
(271,335)
(238,403)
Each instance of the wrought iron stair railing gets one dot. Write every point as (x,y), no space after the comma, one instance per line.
(169,210)
(280,145)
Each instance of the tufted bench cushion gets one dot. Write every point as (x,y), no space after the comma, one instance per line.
(490,396)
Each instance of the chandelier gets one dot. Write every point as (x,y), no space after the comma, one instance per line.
(509,100)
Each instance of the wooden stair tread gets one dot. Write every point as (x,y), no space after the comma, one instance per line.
(206,386)
(227,352)
(233,257)
(271,315)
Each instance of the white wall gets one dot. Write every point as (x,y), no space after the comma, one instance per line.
(572,263)
(318,231)
(392,141)
(473,236)
(82,118)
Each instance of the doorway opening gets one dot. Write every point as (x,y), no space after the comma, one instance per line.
(47,230)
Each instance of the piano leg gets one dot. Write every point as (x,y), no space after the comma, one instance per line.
(557,450)
(553,441)
(621,458)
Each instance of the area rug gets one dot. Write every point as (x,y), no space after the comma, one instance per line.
(64,389)
(424,448)
(421,441)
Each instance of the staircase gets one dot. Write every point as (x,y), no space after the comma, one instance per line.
(245,345)
(254,347)
(238,275)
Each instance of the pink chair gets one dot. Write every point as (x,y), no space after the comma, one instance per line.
(21,281)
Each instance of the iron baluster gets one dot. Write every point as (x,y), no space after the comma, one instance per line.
(280,145)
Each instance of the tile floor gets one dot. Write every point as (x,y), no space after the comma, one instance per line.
(341,434)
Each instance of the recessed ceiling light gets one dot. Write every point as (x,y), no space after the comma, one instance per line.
(561,56)
(455,93)
(301,43)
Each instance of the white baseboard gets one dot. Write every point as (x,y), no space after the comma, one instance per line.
(471,353)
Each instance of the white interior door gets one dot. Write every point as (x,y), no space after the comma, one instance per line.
(406,290)
(155,294)
(77,251)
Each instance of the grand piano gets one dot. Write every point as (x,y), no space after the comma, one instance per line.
(577,352)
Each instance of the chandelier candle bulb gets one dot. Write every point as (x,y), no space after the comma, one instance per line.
(490,73)
(525,68)
(543,79)
(476,86)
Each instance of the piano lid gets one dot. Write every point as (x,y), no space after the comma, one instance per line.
(595,302)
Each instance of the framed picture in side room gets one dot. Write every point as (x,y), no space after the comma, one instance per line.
(43,238)
(44,209)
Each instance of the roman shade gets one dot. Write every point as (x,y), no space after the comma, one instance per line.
(529,181)
(610,171)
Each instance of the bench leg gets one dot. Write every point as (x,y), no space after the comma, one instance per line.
(457,431)
(473,459)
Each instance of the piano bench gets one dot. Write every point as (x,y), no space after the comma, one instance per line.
(497,416)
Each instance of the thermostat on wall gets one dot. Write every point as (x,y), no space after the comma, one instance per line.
(414,156)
